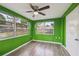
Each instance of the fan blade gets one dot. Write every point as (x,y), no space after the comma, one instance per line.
(32,7)
(29,11)
(43,8)
(41,13)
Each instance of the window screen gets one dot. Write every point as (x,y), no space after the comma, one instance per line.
(6,26)
(12,26)
(45,28)
(22,27)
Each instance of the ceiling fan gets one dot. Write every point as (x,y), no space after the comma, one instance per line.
(37,10)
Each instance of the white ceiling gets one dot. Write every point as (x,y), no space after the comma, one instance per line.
(56,9)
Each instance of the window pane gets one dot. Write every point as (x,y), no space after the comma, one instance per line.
(12,26)
(6,26)
(45,28)
(22,27)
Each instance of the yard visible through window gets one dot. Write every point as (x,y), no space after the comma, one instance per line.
(45,28)
(12,26)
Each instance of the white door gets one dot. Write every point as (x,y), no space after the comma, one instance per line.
(72,32)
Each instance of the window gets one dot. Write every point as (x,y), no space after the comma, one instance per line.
(12,26)
(6,26)
(45,28)
(22,27)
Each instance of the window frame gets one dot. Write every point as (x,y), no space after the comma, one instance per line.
(45,33)
(14,36)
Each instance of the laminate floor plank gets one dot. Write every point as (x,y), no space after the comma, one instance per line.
(40,49)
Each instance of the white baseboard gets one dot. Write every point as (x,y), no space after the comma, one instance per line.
(17,48)
(47,41)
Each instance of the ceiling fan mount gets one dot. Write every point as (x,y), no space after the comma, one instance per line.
(37,10)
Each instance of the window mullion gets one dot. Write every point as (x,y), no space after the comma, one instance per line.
(14,25)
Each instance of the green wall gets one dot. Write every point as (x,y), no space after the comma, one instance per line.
(10,44)
(59,36)
(60,31)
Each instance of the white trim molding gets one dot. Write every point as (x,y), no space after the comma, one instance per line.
(7,38)
(47,41)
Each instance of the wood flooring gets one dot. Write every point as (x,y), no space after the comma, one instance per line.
(41,49)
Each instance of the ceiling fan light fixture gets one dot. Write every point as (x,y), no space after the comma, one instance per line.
(37,10)
(35,13)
